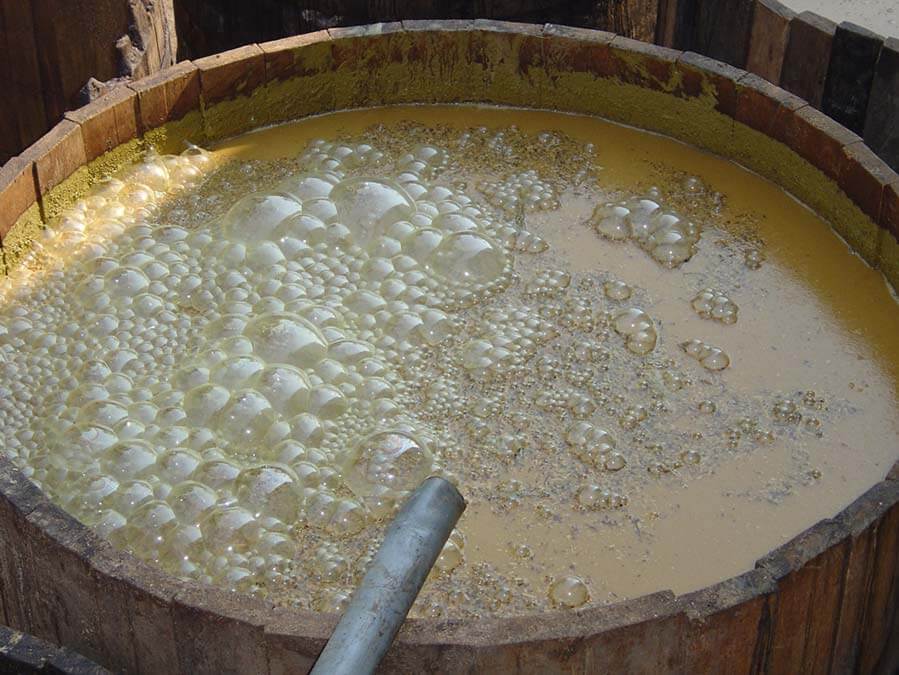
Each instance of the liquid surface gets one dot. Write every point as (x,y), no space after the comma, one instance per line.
(643,366)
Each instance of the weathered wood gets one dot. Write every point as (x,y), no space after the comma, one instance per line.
(882,123)
(809,572)
(108,122)
(768,39)
(721,30)
(684,20)
(864,177)
(9,130)
(207,28)
(730,624)
(217,631)
(17,191)
(850,75)
(24,102)
(631,18)
(880,616)
(22,653)
(50,51)
(855,590)
(666,23)
(807,57)
(861,520)
(66,58)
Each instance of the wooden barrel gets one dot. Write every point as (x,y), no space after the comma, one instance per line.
(824,602)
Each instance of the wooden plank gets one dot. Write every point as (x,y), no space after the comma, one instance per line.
(768,39)
(855,590)
(107,122)
(24,84)
(168,95)
(862,520)
(730,624)
(882,122)
(828,572)
(880,615)
(630,18)
(807,57)
(864,177)
(66,58)
(722,28)
(684,20)
(18,191)
(850,75)
(57,155)
(666,23)
(230,74)
(809,571)
(9,129)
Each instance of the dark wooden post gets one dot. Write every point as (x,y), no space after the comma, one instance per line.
(721,30)
(882,122)
(631,18)
(850,75)
(768,39)
(807,56)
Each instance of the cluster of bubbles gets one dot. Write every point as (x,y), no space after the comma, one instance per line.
(637,329)
(804,408)
(548,282)
(712,304)
(239,372)
(508,338)
(711,358)
(594,446)
(594,498)
(748,429)
(519,192)
(272,321)
(666,236)
(753,258)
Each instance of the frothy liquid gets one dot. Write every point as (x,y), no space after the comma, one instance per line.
(641,377)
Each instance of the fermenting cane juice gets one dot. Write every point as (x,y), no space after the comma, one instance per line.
(643,366)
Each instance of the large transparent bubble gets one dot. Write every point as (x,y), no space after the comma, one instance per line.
(394,461)
(367,205)
(287,338)
(469,257)
(257,216)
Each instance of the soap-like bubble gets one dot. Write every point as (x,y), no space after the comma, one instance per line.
(393,460)
(569,592)
(256,217)
(638,330)
(367,205)
(270,490)
(287,338)
(468,257)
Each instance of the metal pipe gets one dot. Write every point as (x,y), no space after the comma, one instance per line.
(379,605)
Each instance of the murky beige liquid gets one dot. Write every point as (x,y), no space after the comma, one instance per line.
(813,317)
(236,366)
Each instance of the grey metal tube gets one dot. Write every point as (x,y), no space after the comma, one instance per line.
(379,605)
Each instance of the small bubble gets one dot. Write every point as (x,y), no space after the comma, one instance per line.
(569,592)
